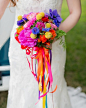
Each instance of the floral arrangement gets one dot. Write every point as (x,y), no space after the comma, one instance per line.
(35,33)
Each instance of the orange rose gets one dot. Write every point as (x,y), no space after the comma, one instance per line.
(53,33)
(19,29)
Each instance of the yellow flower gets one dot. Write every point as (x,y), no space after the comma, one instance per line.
(33,36)
(19,17)
(38,17)
(48,25)
(42,14)
(48,35)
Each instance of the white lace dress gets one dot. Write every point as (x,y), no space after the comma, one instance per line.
(23,89)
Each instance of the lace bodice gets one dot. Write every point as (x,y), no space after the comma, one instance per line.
(26,6)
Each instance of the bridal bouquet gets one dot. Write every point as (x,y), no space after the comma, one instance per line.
(35,33)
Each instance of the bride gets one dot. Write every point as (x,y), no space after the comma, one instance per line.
(23,89)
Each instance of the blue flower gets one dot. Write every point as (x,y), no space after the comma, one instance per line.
(55,16)
(21,22)
(35,30)
(56,23)
(45,29)
(25,19)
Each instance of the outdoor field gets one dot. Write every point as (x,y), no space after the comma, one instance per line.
(75,70)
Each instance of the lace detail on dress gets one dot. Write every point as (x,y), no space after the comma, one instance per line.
(26,6)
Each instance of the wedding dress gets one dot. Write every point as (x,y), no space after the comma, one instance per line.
(23,89)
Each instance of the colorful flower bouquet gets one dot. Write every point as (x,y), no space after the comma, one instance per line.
(35,33)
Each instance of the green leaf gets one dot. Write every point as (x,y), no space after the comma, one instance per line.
(41,33)
(51,41)
(60,33)
(16,34)
(63,43)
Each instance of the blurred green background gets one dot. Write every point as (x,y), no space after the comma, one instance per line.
(75,70)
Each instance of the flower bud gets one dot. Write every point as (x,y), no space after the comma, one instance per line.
(48,35)
(33,36)
(38,16)
(42,14)
(48,25)
(19,17)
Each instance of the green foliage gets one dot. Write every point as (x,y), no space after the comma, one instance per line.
(3,99)
(63,43)
(60,33)
(16,34)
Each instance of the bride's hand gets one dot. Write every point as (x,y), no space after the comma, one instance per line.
(49,46)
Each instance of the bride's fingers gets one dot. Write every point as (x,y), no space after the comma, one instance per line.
(49,46)
(54,40)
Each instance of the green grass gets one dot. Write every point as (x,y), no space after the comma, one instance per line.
(75,72)
(3,99)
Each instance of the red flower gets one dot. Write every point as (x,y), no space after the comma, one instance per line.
(16,37)
(48,43)
(45,19)
(23,47)
(43,39)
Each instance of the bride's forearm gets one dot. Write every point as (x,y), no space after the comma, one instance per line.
(3,5)
(70,22)
(74,7)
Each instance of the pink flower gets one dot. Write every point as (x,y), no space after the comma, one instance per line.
(29,23)
(40,25)
(27,32)
(25,39)
(30,16)
(53,26)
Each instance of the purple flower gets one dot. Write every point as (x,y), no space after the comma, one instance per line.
(55,16)
(45,29)
(25,39)
(47,15)
(35,30)
(24,16)
(21,22)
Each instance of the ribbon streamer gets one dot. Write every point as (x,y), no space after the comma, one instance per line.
(43,73)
